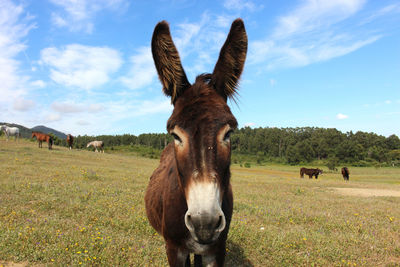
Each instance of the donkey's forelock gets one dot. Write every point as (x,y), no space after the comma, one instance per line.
(201,105)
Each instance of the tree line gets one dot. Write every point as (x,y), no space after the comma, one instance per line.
(308,144)
(285,145)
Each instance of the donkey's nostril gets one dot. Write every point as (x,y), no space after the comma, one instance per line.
(188,221)
(219,222)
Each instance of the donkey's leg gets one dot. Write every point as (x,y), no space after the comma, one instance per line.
(198,261)
(219,257)
(211,261)
(176,257)
(187,263)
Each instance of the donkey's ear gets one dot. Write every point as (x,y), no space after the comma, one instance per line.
(168,63)
(231,59)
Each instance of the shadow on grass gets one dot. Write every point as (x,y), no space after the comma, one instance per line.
(236,257)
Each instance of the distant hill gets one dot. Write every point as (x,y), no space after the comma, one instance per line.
(47,130)
(26,132)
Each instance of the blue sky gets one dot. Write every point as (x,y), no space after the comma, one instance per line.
(85,67)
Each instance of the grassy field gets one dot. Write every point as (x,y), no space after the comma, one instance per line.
(74,208)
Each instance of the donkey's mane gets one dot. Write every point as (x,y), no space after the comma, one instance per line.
(204,77)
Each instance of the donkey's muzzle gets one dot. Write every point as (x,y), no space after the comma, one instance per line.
(205,227)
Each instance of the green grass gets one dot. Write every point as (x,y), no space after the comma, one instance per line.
(78,207)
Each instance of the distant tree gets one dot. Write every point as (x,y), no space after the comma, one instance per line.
(393,142)
(332,163)
(290,145)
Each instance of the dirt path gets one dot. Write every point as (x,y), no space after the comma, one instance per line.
(364,192)
(13,264)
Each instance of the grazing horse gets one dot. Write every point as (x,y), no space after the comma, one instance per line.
(345,173)
(189,198)
(310,172)
(97,145)
(70,141)
(13,131)
(40,137)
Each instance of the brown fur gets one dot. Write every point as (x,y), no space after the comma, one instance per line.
(202,114)
(70,141)
(345,173)
(167,61)
(40,137)
(310,172)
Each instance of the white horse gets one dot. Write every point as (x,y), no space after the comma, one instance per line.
(97,144)
(10,131)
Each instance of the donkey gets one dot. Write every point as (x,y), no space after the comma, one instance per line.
(189,198)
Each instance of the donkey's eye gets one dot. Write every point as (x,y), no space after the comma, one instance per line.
(176,137)
(227,136)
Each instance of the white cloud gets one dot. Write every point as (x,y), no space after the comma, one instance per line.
(186,33)
(272,82)
(388,102)
(240,5)
(53,117)
(70,107)
(153,107)
(200,39)
(142,72)
(93,108)
(315,14)
(82,123)
(58,20)
(341,116)
(21,104)
(80,15)
(82,66)
(14,27)
(64,107)
(312,32)
(38,84)
(390,9)
(224,21)
(68,117)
